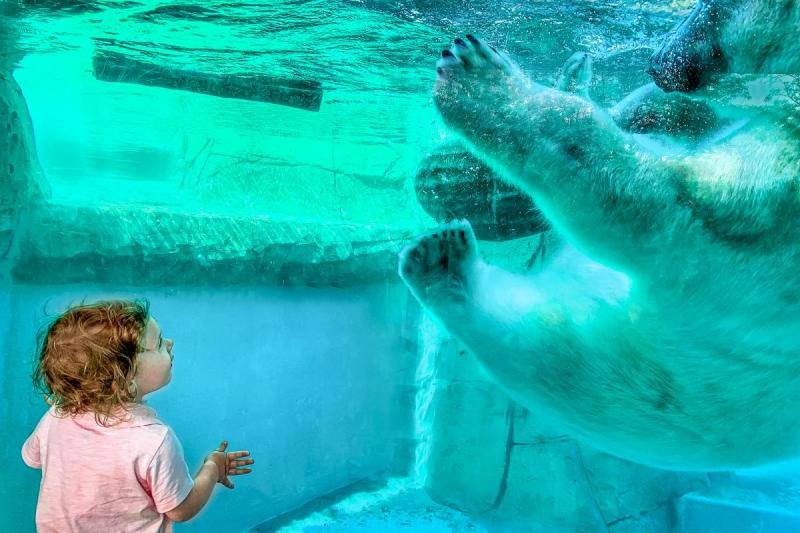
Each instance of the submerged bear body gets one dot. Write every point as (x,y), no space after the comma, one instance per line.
(668,330)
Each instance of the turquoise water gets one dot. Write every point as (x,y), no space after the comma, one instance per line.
(252,169)
(348,162)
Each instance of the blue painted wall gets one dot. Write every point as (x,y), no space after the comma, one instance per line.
(314,382)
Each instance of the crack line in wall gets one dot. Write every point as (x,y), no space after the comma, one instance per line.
(501,492)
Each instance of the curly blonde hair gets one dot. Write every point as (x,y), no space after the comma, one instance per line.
(87,358)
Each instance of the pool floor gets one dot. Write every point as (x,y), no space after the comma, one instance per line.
(401,506)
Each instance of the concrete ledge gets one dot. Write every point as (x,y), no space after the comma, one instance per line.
(122,245)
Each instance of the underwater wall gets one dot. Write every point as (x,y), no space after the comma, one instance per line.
(315,383)
(22,182)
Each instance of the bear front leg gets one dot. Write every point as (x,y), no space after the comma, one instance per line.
(565,343)
(591,179)
(445,272)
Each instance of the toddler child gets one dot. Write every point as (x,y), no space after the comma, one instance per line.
(108,463)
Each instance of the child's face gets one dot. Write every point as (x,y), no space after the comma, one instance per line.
(154,363)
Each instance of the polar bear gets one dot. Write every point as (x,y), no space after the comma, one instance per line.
(668,331)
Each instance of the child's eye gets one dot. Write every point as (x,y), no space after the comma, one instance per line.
(160,342)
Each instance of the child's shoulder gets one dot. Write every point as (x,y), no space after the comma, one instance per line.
(138,429)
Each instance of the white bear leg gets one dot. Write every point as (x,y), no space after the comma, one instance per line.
(573,344)
(557,342)
(590,178)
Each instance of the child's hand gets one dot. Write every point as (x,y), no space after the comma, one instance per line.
(229,463)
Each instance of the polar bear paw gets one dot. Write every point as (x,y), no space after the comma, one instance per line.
(474,80)
(440,260)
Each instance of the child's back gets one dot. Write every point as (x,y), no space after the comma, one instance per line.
(108,463)
(96,478)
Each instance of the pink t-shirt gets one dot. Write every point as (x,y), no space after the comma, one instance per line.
(118,478)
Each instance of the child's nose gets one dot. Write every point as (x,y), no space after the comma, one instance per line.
(170,344)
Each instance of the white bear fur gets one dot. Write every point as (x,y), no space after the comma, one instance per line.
(668,331)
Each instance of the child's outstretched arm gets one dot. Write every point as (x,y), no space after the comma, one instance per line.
(217,466)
